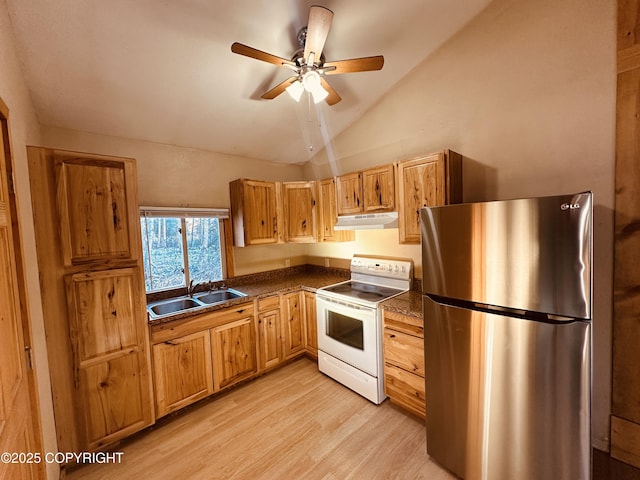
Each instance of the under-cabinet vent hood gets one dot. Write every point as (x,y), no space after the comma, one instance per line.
(369,221)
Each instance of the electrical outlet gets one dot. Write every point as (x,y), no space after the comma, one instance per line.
(287,262)
(326,262)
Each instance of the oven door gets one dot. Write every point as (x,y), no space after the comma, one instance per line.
(349,332)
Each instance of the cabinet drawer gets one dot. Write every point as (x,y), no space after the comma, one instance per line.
(268,303)
(196,323)
(404,351)
(405,389)
(404,323)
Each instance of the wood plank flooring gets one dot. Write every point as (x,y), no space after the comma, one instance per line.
(294,423)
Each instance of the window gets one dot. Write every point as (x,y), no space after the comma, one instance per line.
(182,245)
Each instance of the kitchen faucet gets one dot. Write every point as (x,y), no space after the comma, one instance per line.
(192,288)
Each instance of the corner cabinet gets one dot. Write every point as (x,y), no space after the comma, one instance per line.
(426,181)
(255,212)
(403,346)
(299,201)
(89,250)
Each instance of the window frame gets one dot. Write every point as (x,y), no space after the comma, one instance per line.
(182,213)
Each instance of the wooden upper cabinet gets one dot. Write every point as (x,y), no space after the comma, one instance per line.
(255,207)
(94,208)
(378,189)
(349,193)
(300,211)
(426,182)
(371,190)
(328,214)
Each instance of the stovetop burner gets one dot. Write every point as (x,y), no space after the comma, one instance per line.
(363,291)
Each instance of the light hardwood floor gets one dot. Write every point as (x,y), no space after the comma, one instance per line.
(294,423)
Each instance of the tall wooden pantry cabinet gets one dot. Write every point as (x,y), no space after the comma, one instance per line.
(90,260)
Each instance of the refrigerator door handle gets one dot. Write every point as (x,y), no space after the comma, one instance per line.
(507,312)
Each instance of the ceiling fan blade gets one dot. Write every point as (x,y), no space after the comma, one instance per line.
(333,97)
(364,64)
(317,31)
(251,52)
(278,89)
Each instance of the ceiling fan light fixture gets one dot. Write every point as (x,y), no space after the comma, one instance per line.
(311,83)
(295,90)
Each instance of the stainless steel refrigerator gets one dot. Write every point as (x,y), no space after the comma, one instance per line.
(507,316)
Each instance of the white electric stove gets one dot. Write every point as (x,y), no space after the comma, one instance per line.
(350,323)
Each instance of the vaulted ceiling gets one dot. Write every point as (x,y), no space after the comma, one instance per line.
(163,71)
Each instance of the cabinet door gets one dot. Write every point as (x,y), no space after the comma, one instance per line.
(254,208)
(311,341)
(111,365)
(299,211)
(420,184)
(269,338)
(93,197)
(293,324)
(405,389)
(349,193)
(182,371)
(234,352)
(378,189)
(404,351)
(328,214)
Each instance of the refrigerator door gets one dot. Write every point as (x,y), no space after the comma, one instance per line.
(529,254)
(507,398)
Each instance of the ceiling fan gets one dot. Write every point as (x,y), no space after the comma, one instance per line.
(308,63)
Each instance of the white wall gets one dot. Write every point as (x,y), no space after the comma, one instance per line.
(526,92)
(23,130)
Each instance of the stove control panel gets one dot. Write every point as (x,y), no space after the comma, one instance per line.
(383,267)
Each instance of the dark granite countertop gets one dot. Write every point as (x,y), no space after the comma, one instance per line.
(259,285)
(409,303)
(305,277)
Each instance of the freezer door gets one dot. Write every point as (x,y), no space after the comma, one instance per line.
(506,397)
(529,254)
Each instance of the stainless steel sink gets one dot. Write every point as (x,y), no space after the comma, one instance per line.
(173,305)
(217,296)
(184,303)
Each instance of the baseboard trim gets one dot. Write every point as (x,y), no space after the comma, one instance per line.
(607,468)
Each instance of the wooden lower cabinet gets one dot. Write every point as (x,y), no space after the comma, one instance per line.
(234,352)
(293,324)
(199,355)
(111,365)
(403,344)
(183,371)
(269,327)
(311,324)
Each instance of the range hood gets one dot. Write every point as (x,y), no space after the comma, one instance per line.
(367,221)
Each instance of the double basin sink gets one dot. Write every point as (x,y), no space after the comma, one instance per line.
(186,302)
